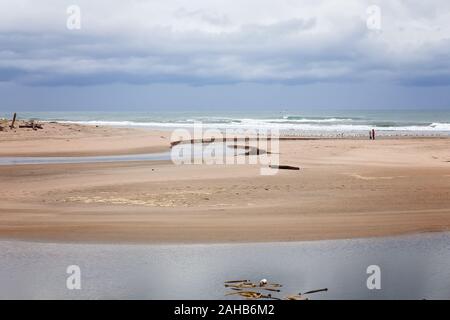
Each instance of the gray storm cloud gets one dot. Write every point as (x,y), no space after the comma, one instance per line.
(208,42)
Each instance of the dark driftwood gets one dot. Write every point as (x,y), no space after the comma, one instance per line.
(284,167)
(31,124)
(13,121)
(236,281)
(315,291)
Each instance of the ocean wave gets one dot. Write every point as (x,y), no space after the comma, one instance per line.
(295,119)
(440,126)
(268,123)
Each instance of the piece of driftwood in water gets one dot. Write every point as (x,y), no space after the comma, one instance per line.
(296,297)
(315,291)
(256,288)
(236,281)
(240,285)
(13,121)
(284,167)
(252,295)
(31,124)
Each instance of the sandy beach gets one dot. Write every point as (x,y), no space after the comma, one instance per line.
(68,139)
(346,188)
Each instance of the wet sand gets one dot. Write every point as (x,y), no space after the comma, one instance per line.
(345,189)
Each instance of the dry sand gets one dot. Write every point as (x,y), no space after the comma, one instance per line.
(67,139)
(345,189)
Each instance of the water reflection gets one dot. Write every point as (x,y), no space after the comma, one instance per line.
(412,267)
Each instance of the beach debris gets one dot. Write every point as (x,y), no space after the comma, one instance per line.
(271,289)
(316,291)
(283,167)
(250,290)
(31,124)
(4,124)
(240,285)
(13,121)
(245,284)
(252,295)
(302,296)
(296,297)
(235,281)
(261,288)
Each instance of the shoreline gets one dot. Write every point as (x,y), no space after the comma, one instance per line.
(59,139)
(62,139)
(402,236)
(346,188)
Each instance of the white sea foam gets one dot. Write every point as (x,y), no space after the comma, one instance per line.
(326,125)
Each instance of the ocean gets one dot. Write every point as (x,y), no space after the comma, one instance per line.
(316,122)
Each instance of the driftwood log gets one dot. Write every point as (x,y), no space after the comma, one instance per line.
(284,167)
(31,124)
(315,291)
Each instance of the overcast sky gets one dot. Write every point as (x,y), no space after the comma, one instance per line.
(151,55)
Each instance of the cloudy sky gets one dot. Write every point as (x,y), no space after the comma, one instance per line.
(176,54)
